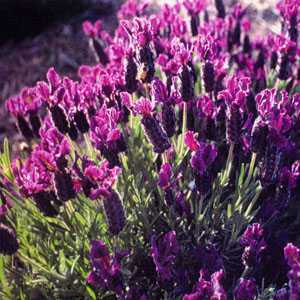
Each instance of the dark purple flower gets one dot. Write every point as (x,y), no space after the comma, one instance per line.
(63,185)
(9,244)
(46,203)
(220,8)
(203,157)
(106,272)
(163,251)
(186,83)
(245,290)
(165,175)
(292,256)
(153,130)
(131,72)
(208,288)
(254,243)
(102,178)
(81,121)
(209,76)
(114,211)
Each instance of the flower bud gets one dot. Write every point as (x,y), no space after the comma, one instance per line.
(63,186)
(114,211)
(247,44)
(168,119)
(236,35)
(130,74)
(44,201)
(146,69)
(35,123)
(274,60)
(259,134)
(99,52)
(194,24)
(155,134)
(209,76)
(284,68)
(220,8)
(186,83)
(111,156)
(81,121)
(202,182)
(8,241)
(59,119)
(233,125)
(24,127)
(73,133)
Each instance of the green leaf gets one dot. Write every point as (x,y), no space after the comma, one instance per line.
(91,292)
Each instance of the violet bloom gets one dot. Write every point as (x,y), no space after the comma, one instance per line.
(292,256)
(165,176)
(106,272)
(33,175)
(186,76)
(114,211)
(105,134)
(289,10)
(235,98)
(254,243)
(204,154)
(208,289)
(131,71)
(194,8)
(153,130)
(103,178)
(163,251)
(8,242)
(26,104)
(140,32)
(160,95)
(97,40)
(246,289)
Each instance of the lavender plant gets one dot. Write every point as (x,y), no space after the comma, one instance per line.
(168,170)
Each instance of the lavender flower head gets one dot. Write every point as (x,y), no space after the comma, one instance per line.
(292,256)
(106,272)
(153,130)
(254,243)
(163,251)
(245,290)
(208,288)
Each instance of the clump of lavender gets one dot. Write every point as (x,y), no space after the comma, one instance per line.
(226,206)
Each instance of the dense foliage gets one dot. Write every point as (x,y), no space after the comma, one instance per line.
(169,170)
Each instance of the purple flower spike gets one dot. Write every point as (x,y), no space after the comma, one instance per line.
(165,175)
(163,251)
(106,272)
(114,211)
(254,244)
(208,289)
(292,256)
(153,130)
(159,91)
(8,241)
(203,157)
(53,79)
(245,290)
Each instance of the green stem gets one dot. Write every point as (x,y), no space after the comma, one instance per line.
(251,169)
